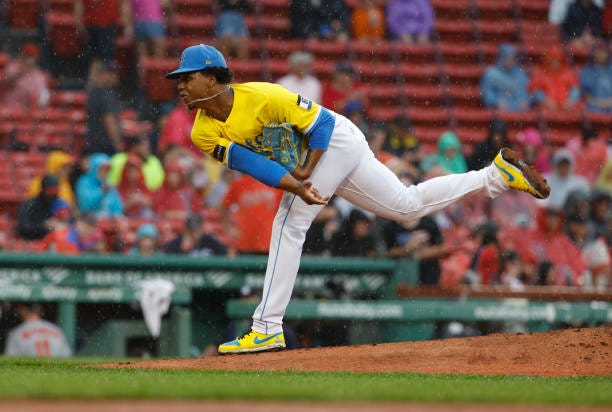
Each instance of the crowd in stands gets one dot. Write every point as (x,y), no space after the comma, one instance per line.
(132,182)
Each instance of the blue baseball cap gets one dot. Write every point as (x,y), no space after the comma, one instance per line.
(195,58)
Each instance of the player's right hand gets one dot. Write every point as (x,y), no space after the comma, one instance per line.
(311,195)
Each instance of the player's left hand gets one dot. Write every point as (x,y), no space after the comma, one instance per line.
(311,195)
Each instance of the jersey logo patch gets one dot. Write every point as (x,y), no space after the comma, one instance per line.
(219,153)
(304,103)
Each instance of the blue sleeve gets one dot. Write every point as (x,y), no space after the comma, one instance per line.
(321,130)
(490,96)
(261,168)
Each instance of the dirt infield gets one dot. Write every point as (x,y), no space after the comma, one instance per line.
(571,352)
(266,406)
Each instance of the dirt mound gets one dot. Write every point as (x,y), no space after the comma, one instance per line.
(571,352)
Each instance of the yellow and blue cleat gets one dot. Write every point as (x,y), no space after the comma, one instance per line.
(519,175)
(253,341)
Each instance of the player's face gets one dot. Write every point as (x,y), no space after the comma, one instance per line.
(192,86)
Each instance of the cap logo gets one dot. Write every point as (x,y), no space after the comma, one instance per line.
(208,61)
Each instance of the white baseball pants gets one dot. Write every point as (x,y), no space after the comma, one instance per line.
(349,169)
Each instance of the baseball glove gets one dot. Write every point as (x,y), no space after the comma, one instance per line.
(280,143)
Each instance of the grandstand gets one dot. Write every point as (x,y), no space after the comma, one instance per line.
(434,85)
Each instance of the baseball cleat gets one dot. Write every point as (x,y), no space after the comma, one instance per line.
(253,341)
(519,175)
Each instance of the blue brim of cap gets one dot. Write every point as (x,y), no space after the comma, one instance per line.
(178,72)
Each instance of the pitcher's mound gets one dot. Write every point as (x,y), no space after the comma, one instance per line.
(570,352)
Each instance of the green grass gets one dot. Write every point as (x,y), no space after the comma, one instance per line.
(34,378)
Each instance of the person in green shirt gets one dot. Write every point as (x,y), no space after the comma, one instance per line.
(152,168)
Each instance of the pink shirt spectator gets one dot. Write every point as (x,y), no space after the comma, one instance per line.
(23,84)
(147,10)
(533,150)
(177,130)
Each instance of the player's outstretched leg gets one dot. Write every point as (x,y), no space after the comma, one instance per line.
(519,175)
(253,341)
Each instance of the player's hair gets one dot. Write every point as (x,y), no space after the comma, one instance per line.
(222,74)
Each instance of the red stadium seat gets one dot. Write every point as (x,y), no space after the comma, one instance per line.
(49,115)
(126,56)
(63,34)
(541,33)
(384,114)
(428,134)
(384,95)
(23,14)
(419,74)
(369,72)
(152,78)
(28,160)
(452,9)
(431,116)
(494,10)
(471,135)
(498,31)
(534,53)
(62,6)
(275,27)
(424,95)
(68,99)
(456,31)
(560,137)
(251,22)
(601,121)
(282,49)
(519,120)
(464,74)
(329,51)
(278,68)
(465,96)
(473,118)
(183,42)
(193,7)
(414,53)
(275,8)
(536,10)
(459,52)
(247,70)
(323,70)
(376,52)
(194,26)
(563,119)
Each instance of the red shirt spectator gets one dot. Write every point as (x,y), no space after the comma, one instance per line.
(590,154)
(253,206)
(133,190)
(548,243)
(555,82)
(344,91)
(176,199)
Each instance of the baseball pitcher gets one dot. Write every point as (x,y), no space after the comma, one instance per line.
(290,142)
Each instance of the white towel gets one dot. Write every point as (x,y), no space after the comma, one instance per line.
(155,301)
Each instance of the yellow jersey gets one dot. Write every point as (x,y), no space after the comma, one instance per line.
(256,105)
